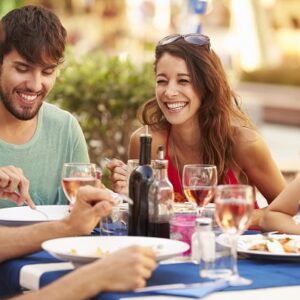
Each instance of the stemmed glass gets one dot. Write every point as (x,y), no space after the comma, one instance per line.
(234,207)
(199,182)
(75,175)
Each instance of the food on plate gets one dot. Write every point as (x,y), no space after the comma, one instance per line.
(281,245)
(98,252)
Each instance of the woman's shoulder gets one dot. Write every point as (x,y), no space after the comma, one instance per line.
(246,135)
(249,144)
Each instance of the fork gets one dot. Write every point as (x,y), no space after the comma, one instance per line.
(36,209)
(42,212)
(120,197)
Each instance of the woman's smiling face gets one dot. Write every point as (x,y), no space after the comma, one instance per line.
(175,92)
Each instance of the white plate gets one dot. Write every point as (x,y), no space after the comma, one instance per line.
(24,215)
(84,249)
(246,241)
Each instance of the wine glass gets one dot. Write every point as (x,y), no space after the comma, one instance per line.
(234,207)
(75,175)
(199,182)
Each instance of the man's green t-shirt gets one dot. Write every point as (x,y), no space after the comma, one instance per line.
(58,139)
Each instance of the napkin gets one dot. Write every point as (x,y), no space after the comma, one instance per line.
(193,290)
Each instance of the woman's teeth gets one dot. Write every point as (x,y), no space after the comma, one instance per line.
(176,105)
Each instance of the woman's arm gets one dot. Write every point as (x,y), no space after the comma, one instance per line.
(118,169)
(279,214)
(254,158)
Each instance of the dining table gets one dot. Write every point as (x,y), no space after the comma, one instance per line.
(271,279)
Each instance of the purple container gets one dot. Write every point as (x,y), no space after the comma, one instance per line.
(182,226)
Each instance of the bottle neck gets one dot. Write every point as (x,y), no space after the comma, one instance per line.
(145,150)
(160,167)
(204,224)
(204,228)
(161,174)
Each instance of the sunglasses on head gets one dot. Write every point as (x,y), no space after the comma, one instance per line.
(191,38)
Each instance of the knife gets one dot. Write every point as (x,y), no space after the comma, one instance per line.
(217,284)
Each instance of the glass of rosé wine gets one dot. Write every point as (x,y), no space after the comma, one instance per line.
(234,207)
(199,182)
(75,175)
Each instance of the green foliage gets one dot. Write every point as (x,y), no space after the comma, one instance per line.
(104,94)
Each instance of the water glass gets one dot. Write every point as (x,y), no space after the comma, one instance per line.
(131,165)
(75,175)
(199,182)
(219,263)
(234,207)
(182,227)
(117,222)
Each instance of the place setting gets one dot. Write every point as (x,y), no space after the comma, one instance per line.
(74,175)
(85,249)
(24,215)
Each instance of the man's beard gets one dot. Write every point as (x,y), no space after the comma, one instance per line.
(24,115)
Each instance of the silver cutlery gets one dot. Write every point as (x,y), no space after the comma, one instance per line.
(120,197)
(216,284)
(42,213)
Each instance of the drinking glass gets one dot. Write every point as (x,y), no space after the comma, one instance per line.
(199,182)
(75,175)
(131,165)
(234,207)
(117,222)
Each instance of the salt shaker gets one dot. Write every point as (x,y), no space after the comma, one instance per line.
(203,241)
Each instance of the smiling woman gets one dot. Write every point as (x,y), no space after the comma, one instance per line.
(197,117)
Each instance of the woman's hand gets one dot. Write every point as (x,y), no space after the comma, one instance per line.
(118,176)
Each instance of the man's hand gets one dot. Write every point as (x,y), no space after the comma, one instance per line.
(123,270)
(91,205)
(14,186)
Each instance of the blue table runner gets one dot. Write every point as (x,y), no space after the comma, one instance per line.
(264,273)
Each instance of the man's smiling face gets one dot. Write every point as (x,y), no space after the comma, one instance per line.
(24,85)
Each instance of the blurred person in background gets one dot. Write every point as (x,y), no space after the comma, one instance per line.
(278,216)
(35,137)
(196,115)
(136,263)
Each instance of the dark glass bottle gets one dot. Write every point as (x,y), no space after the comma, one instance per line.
(139,182)
(160,199)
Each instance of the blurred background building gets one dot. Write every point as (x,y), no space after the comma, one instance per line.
(249,35)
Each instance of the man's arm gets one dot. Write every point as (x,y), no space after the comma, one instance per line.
(126,269)
(92,204)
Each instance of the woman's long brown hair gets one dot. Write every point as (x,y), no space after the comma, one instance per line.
(219,109)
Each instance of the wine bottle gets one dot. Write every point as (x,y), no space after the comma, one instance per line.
(160,199)
(139,182)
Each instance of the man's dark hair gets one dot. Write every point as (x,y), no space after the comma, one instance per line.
(35,32)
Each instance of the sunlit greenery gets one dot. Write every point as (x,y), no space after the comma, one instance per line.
(104,94)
